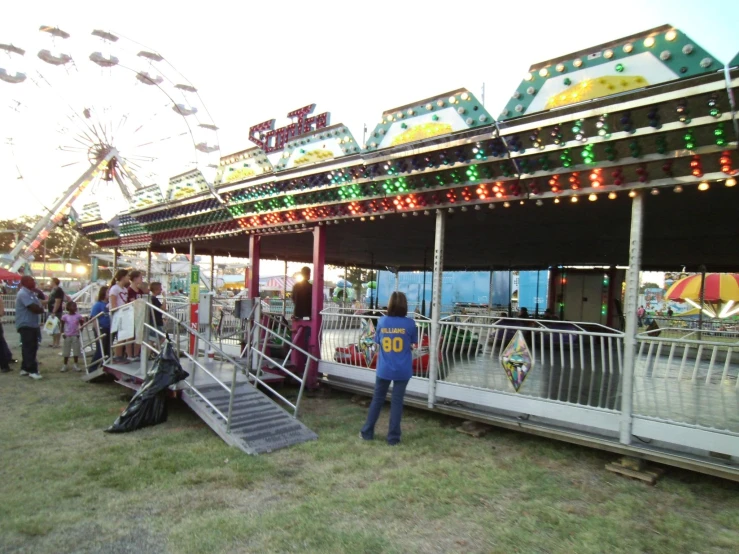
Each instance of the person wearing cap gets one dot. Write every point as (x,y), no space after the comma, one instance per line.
(28,309)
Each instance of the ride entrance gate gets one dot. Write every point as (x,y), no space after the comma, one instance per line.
(621,157)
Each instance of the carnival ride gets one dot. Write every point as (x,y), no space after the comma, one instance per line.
(647,122)
(105,106)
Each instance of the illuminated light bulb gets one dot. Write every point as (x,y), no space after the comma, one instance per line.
(506,204)
(703,186)
(577,62)
(608,54)
(573,199)
(465,96)
(452,100)
(678,189)
(632,194)
(730,182)
(612,196)
(670,35)
(543,72)
(560,67)
(528,77)
(522,202)
(654,192)
(649,42)
(593,197)
(628,47)
(556,200)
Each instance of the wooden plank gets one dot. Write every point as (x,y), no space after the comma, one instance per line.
(649,476)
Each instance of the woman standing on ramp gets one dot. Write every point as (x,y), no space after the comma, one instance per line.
(396,335)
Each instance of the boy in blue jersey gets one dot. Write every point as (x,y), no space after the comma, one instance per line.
(396,335)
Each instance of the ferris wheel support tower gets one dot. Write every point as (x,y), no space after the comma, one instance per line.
(21,254)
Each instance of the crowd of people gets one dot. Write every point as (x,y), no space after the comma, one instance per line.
(64,322)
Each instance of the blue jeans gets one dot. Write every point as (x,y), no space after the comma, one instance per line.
(396,409)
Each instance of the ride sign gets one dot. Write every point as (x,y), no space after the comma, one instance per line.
(271,140)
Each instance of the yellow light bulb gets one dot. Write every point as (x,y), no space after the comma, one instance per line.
(649,42)
(632,194)
(543,72)
(573,199)
(671,35)
(703,186)
(556,200)
(611,196)
(731,182)
(593,197)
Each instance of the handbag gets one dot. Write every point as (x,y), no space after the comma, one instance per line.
(52,325)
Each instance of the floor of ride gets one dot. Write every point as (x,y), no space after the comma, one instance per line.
(698,395)
(222,370)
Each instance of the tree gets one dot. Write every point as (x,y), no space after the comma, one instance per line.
(63,242)
(356,276)
(646,286)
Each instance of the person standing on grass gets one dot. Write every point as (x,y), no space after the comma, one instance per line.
(56,300)
(28,308)
(117,297)
(72,323)
(101,307)
(396,336)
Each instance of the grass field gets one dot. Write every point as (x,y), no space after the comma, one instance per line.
(65,486)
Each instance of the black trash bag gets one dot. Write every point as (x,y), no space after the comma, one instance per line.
(149,405)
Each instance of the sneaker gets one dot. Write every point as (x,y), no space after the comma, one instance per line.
(76,367)
(135,359)
(63,369)
(35,376)
(23,372)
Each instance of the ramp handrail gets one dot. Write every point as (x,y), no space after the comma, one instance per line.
(257,330)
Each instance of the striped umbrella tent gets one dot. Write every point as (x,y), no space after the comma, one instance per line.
(277,283)
(720,296)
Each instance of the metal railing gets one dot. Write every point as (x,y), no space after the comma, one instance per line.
(347,337)
(688,376)
(91,339)
(577,363)
(256,353)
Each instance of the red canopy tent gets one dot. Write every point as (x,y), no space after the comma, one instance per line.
(6,275)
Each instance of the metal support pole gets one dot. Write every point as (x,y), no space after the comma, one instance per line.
(115,261)
(373,277)
(436,305)
(490,292)
(148,264)
(43,274)
(252,280)
(346,283)
(702,301)
(284,292)
(211,296)
(632,299)
(423,292)
(314,343)
(510,292)
(536,311)
(397,281)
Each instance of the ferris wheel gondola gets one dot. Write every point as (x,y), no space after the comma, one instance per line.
(100,116)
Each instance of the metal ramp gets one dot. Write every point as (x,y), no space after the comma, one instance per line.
(258,425)
(234,394)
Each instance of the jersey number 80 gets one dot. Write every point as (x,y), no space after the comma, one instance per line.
(392,344)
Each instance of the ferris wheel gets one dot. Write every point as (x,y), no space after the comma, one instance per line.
(93,121)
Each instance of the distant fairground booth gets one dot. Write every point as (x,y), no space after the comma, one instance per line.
(604,163)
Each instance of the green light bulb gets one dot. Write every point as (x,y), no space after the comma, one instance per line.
(619,67)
